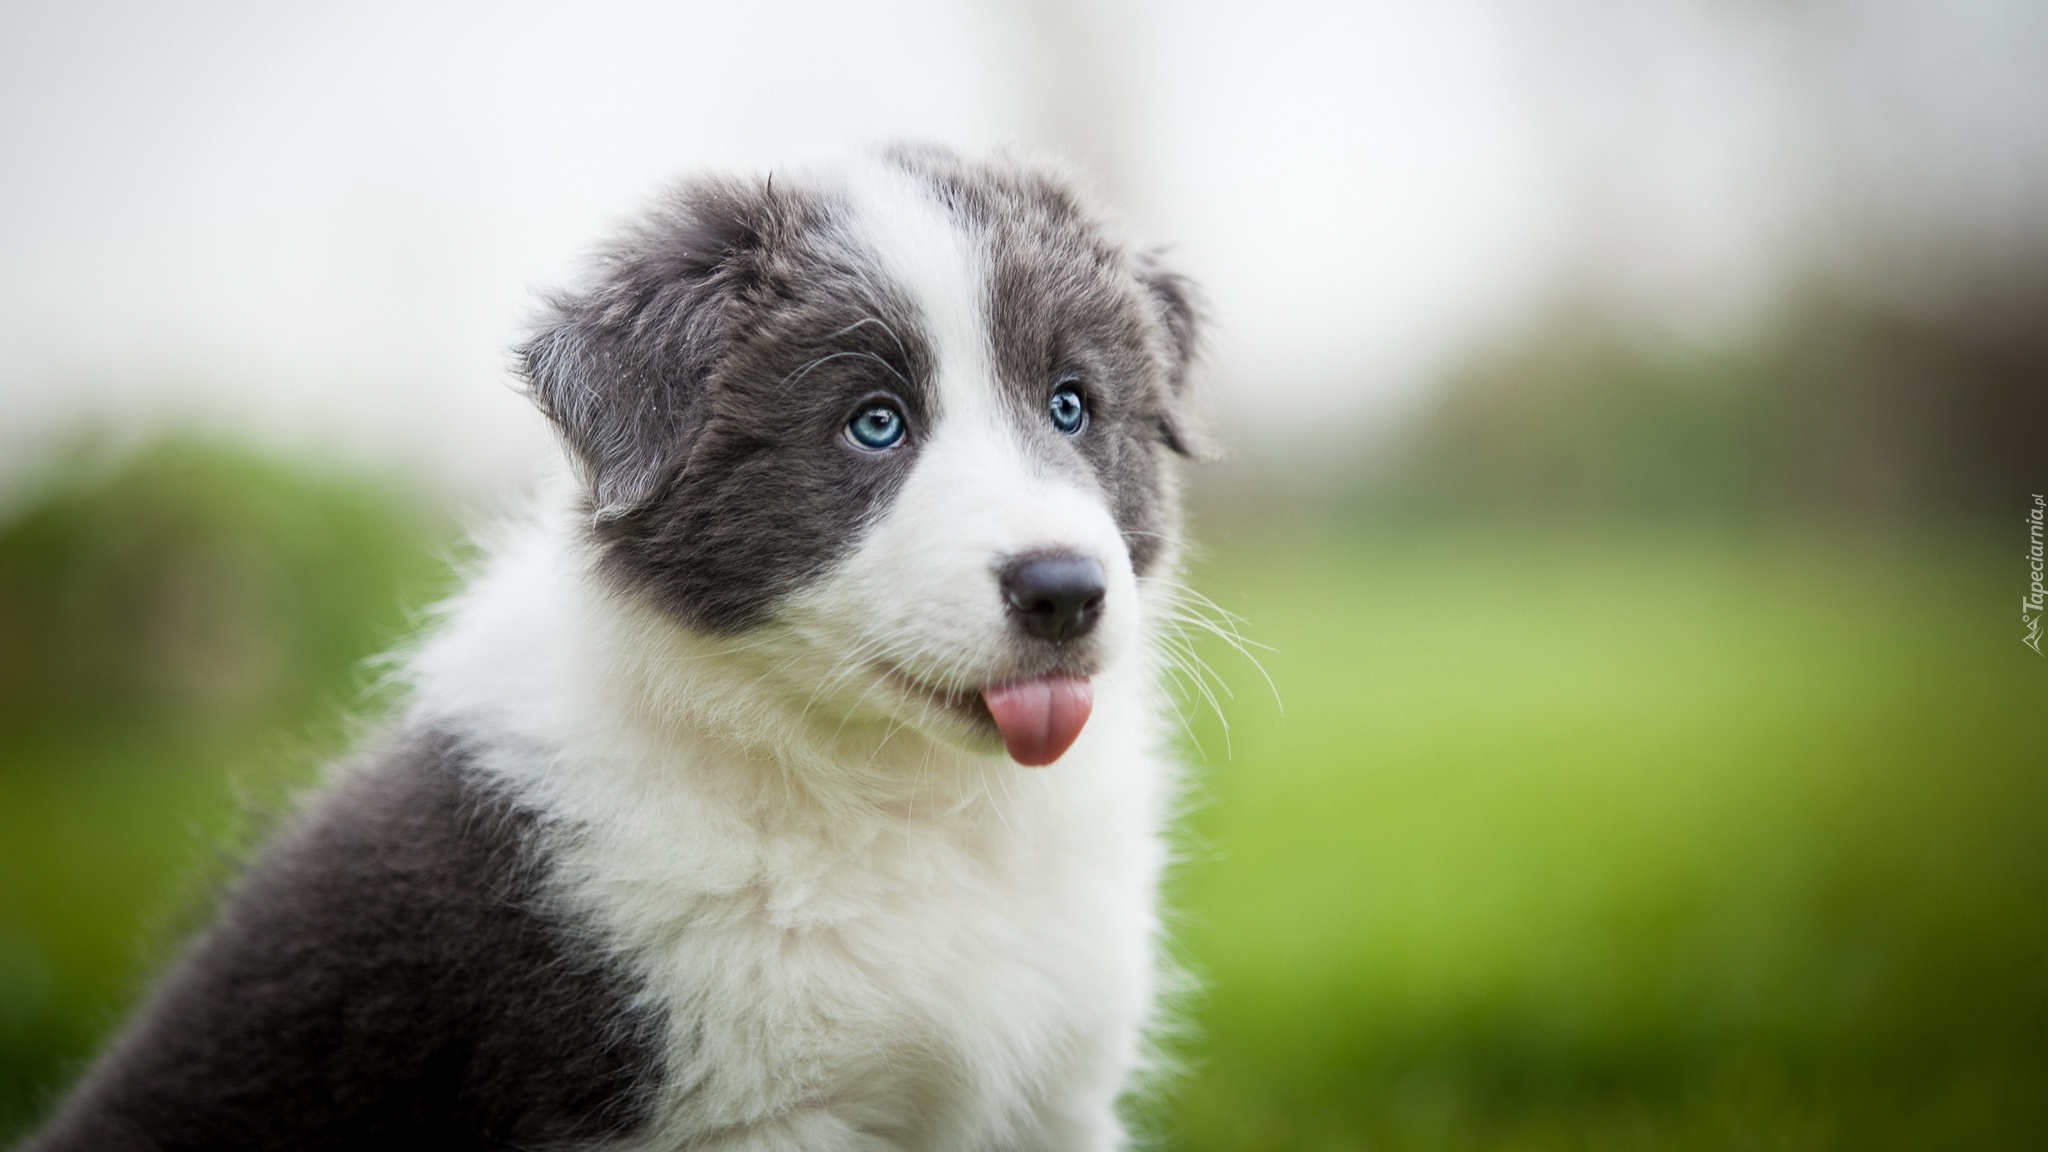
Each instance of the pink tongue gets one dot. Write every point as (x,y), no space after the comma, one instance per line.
(1040,719)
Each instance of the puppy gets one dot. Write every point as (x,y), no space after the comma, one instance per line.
(796,779)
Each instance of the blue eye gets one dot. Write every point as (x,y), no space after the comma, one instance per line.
(878,427)
(1067,410)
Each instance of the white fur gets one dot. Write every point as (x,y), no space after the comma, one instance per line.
(869,929)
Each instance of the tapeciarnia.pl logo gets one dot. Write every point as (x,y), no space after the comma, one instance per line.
(2031,603)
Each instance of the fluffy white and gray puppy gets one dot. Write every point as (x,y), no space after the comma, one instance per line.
(699,831)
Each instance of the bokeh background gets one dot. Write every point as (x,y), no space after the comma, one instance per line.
(1617,730)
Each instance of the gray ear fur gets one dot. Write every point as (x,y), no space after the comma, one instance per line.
(612,434)
(1182,311)
(622,367)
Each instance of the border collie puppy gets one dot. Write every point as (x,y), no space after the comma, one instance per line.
(796,779)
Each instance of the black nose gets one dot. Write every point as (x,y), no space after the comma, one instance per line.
(1054,597)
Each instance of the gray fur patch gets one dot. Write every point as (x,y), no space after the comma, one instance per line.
(705,381)
(386,975)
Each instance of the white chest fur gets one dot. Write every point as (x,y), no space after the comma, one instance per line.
(955,954)
(973,977)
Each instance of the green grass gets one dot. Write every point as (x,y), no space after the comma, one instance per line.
(183,636)
(1593,839)
(1619,840)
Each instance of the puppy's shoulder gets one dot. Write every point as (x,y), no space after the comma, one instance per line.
(389,964)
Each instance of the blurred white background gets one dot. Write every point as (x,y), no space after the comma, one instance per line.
(324,224)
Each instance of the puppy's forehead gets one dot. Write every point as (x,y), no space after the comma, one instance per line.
(933,262)
(1008,279)
(922,252)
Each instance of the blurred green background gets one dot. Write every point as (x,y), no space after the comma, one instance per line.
(1650,759)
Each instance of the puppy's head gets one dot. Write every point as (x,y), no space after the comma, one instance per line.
(910,419)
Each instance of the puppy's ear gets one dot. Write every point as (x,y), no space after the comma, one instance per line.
(624,367)
(1180,308)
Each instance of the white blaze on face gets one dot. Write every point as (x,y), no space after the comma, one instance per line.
(921,591)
